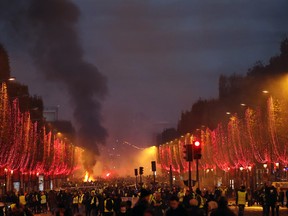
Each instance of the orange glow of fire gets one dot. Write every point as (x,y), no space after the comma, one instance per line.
(87,177)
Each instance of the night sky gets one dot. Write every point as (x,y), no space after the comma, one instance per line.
(161,56)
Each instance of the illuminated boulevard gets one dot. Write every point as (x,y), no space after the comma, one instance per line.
(143,108)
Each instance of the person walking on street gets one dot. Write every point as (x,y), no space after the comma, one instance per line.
(201,203)
(223,209)
(271,199)
(143,203)
(158,204)
(287,198)
(241,199)
(75,203)
(176,209)
(94,204)
(108,207)
(43,202)
(281,197)
(263,200)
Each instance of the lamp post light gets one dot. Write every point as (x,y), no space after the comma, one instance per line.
(8,79)
(11,79)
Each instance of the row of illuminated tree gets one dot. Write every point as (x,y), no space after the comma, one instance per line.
(246,125)
(30,146)
(258,137)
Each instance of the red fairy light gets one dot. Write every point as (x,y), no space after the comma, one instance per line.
(19,143)
(242,142)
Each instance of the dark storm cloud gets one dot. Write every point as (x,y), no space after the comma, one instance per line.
(49,27)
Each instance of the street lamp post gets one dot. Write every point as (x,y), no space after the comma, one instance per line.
(12,186)
(5,170)
(265,167)
(276,172)
(249,177)
(241,174)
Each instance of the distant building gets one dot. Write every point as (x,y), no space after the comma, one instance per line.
(51,114)
(4,64)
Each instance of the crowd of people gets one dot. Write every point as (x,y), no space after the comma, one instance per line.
(123,200)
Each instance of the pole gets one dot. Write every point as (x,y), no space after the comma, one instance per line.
(136,182)
(171,177)
(140,181)
(197,172)
(154,178)
(190,178)
(5,182)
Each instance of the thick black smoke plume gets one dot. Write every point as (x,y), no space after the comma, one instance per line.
(50,27)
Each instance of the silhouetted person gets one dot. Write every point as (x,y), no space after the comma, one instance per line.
(175,208)
(223,209)
(143,204)
(271,199)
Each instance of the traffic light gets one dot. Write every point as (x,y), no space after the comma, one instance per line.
(153,166)
(136,172)
(197,150)
(141,170)
(188,152)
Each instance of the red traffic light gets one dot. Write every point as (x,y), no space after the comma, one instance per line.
(197,150)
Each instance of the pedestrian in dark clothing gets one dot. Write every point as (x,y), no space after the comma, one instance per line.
(123,210)
(128,208)
(263,201)
(193,208)
(158,205)
(175,208)
(287,198)
(149,212)
(281,197)
(143,204)
(223,209)
(217,193)
(52,201)
(86,201)
(201,203)
(271,199)
(94,204)
(187,197)
(117,203)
